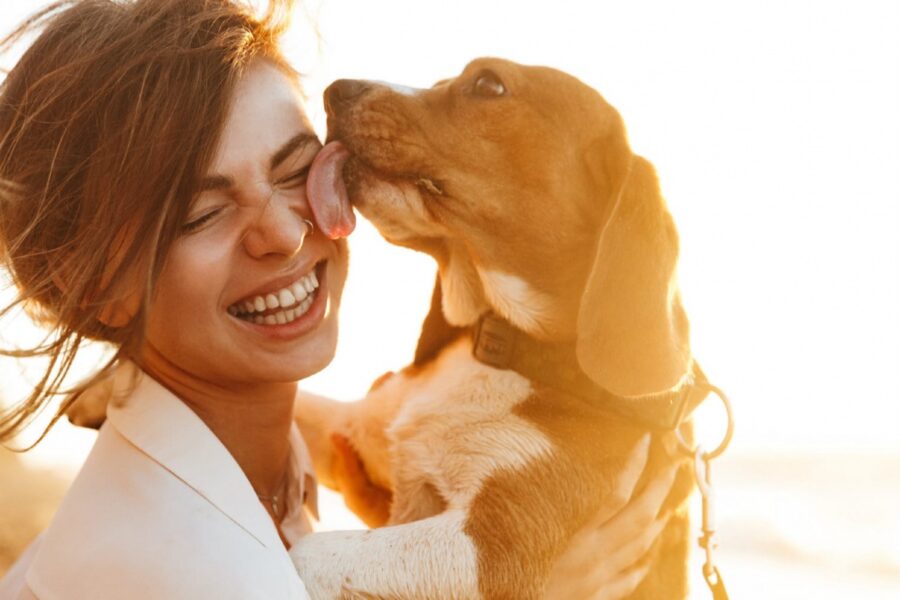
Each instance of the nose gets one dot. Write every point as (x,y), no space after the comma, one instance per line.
(279,231)
(343,93)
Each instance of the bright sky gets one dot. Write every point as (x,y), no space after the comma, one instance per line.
(776,132)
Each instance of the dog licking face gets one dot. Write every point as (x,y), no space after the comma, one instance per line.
(520,182)
(494,157)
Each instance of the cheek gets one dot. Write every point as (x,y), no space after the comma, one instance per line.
(187,289)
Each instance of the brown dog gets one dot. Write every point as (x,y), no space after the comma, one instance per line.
(556,339)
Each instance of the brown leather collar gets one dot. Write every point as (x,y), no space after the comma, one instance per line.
(500,344)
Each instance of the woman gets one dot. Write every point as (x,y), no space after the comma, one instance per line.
(153,160)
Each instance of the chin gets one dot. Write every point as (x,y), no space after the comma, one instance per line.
(314,355)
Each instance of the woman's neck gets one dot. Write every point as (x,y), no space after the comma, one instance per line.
(252,421)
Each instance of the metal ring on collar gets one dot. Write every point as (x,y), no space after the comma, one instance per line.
(729,431)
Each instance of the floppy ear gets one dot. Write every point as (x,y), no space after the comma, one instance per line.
(632,330)
(436,331)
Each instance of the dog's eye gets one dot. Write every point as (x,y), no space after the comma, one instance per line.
(488,84)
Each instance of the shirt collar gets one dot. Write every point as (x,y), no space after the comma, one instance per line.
(163,427)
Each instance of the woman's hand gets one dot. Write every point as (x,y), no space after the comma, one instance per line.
(369,501)
(604,560)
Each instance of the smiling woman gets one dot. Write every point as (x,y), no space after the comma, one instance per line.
(85,232)
(246,277)
(153,198)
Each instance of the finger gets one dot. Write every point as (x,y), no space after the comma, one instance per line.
(650,501)
(582,578)
(607,557)
(623,584)
(625,482)
(631,472)
(636,550)
(639,513)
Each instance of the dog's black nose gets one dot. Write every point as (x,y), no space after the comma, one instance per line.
(342,93)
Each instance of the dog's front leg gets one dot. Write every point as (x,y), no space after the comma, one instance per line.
(432,558)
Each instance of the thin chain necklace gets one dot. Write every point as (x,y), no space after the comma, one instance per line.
(274,499)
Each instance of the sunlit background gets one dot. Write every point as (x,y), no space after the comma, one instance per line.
(775,127)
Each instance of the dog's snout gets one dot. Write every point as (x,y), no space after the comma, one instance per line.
(342,93)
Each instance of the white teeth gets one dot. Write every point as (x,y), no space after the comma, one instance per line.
(299,291)
(295,298)
(286,298)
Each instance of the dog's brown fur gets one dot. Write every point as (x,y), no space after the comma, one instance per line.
(534,207)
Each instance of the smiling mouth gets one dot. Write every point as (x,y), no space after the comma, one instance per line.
(282,306)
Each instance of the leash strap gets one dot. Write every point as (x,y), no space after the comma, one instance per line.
(708,539)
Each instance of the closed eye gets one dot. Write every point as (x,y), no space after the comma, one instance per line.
(195,224)
(295,179)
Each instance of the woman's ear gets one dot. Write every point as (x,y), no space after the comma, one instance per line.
(632,330)
(122,304)
(124,299)
(119,312)
(121,282)
(116,312)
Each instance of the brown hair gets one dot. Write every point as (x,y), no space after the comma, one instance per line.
(107,125)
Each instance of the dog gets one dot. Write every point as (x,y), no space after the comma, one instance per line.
(556,340)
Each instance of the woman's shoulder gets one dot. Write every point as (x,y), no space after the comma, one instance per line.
(131,528)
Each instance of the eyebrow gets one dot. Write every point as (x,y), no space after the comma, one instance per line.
(301,140)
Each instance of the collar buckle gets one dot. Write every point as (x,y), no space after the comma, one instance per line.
(495,341)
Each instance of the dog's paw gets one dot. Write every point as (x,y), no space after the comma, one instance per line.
(89,409)
(87,414)
(369,501)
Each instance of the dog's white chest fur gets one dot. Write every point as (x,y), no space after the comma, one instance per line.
(456,427)
(446,428)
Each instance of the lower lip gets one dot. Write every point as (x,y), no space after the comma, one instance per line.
(302,325)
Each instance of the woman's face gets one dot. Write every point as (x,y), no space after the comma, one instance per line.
(247,295)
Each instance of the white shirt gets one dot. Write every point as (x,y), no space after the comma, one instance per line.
(161,509)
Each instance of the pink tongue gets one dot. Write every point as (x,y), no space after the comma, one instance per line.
(328,194)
